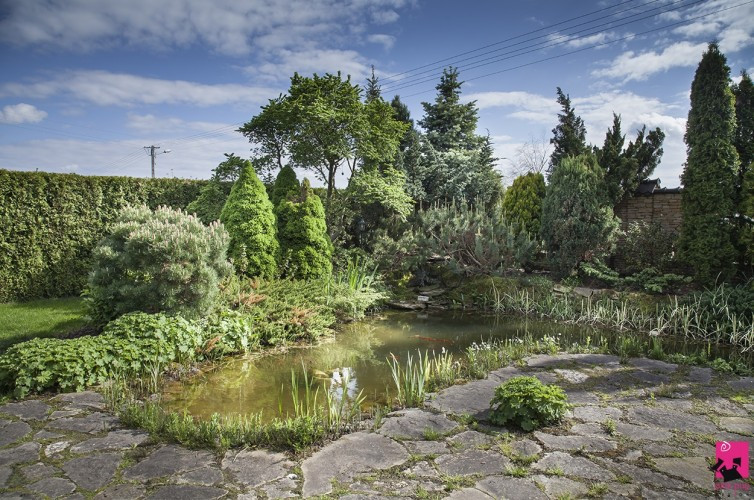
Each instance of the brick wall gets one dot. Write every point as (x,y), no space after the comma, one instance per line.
(661,207)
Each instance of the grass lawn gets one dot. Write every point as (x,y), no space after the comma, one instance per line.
(20,321)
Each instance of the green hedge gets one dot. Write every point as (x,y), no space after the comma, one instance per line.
(49,224)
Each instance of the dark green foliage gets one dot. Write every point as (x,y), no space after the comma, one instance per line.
(527,403)
(625,169)
(473,241)
(270,132)
(577,222)
(210,202)
(248,217)
(448,122)
(285,183)
(744,142)
(569,136)
(50,223)
(644,245)
(372,91)
(228,170)
(648,279)
(522,204)
(403,115)
(709,177)
(306,250)
(134,344)
(161,261)
(746,233)
(744,139)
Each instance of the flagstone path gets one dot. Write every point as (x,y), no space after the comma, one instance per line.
(644,429)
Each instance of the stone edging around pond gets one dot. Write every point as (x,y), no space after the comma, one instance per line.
(643,429)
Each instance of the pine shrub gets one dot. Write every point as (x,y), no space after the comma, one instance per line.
(157,261)
(306,247)
(248,216)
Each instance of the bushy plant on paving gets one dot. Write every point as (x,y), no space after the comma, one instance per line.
(526,402)
(161,261)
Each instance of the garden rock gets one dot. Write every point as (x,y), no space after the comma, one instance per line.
(526,448)
(596,413)
(472,398)
(657,417)
(31,409)
(121,492)
(166,461)
(414,423)
(587,443)
(206,476)
(25,452)
(93,423)
(335,461)
(52,487)
(572,376)
(83,400)
(468,494)
(653,365)
(115,440)
(94,471)
(692,469)
(470,439)
(12,432)
(742,384)
(173,491)
(38,471)
(56,447)
(511,488)
(427,447)
(485,463)
(560,487)
(572,466)
(742,425)
(254,468)
(640,432)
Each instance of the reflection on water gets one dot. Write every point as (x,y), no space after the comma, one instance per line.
(357,355)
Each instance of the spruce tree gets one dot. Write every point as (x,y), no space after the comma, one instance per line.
(372,90)
(569,136)
(306,247)
(449,123)
(709,176)
(249,219)
(286,183)
(577,222)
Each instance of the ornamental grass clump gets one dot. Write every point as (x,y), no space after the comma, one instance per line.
(527,403)
(161,261)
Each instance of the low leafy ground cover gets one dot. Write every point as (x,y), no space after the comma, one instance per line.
(21,321)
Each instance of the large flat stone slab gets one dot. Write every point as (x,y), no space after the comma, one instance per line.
(642,475)
(548,361)
(592,413)
(38,471)
(31,409)
(254,468)
(94,423)
(741,425)
(26,452)
(692,469)
(641,432)
(166,461)
(561,487)
(115,440)
(335,461)
(206,476)
(427,447)
(121,492)
(13,431)
(470,439)
(174,491)
(483,462)
(414,423)
(467,494)
(570,443)
(86,400)
(511,488)
(742,384)
(664,419)
(596,359)
(472,398)
(92,472)
(54,487)
(578,467)
(572,376)
(653,365)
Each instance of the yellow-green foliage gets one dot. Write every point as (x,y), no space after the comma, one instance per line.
(522,204)
(50,223)
(248,217)
(285,183)
(306,247)
(157,261)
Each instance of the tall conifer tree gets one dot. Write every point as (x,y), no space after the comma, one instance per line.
(569,136)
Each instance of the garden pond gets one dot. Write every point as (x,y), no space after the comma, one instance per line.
(358,356)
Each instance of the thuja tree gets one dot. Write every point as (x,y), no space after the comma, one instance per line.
(306,247)
(522,203)
(157,261)
(285,183)
(709,177)
(248,217)
(577,222)
(744,142)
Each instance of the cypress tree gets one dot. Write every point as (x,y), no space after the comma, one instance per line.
(569,136)
(577,222)
(248,217)
(285,183)
(306,246)
(522,204)
(709,176)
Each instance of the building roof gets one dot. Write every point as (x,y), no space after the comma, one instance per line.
(649,187)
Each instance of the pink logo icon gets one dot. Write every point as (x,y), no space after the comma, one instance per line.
(732,460)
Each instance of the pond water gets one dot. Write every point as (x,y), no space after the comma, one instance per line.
(262,383)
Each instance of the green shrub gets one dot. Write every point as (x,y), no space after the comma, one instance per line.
(248,217)
(134,344)
(285,183)
(306,250)
(210,202)
(645,244)
(577,223)
(527,403)
(522,204)
(50,223)
(157,261)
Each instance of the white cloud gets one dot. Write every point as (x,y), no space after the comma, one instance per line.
(21,113)
(150,123)
(386,41)
(582,40)
(120,89)
(226,26)
(348,62)
(632,66)
(528,106)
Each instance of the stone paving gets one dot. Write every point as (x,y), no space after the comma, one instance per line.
(643,429)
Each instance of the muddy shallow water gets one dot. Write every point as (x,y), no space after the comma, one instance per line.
(262,383)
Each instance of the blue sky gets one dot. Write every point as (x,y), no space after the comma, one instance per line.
(86,84)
